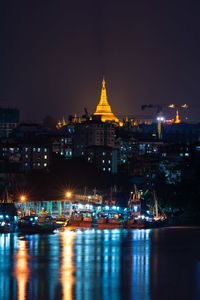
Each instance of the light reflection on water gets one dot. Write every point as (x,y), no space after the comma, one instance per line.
(101,264)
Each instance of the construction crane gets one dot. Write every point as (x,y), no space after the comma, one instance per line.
(159,111)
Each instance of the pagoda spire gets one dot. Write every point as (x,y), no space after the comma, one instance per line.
(177,117)
(103,105)
(103,108)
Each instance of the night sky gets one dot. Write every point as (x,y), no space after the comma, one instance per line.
(53,55)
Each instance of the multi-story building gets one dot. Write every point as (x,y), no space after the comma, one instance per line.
(93,133)
(9,119)
(34,156)
(104,158)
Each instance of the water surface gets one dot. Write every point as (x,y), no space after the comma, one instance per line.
(101,264)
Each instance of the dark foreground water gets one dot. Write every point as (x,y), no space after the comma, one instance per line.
(101,264)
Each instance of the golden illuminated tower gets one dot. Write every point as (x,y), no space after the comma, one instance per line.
(103,108)
(177,117)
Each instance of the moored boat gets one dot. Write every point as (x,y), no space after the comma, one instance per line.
(31,224)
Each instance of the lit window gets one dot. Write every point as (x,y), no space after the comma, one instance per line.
(104,153)
(186,154)
(38,149)
(61,153)
(104,169)
(26,155)
(26,149)
(33,149)
(45,149)
(38,164)
(70,152)
(88,158)
(62,140)
(26,164)
(103,161)
(109,169)
(45,156)
(109,161)
(45,164)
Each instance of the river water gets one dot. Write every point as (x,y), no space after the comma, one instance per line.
(101,264)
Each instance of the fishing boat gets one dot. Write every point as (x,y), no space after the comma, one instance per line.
(138,217)
(62,221)
(32,224)
(110,221)
(82,219)
(4,227)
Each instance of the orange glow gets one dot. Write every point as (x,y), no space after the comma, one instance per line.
(22,269)
(168,121)
(22,198)
(171,105)
(68,194)
(67,267)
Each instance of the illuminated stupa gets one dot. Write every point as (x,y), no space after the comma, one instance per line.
(103,108)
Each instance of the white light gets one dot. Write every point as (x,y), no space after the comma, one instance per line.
(107,207)
(80,206)
(114,207)
(117,207)
(135,207)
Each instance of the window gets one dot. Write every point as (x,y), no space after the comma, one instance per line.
(38,149)
(45,164)
(103,161)
(45,149)
(104,153)
(109,169)
(109,161)
(38,164)
(33,149)
(26,149)
(26,156)
(88,158)
(45,156)
(104,169)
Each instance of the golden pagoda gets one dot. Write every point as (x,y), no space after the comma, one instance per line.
(177,117)
(103,108)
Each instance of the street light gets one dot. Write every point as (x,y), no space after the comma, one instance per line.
(68,194)
(22,198)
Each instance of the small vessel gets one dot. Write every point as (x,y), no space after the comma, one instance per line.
(82,219)
(4,227)
(31,224)
(139,218)
(62,221)
(110,221)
